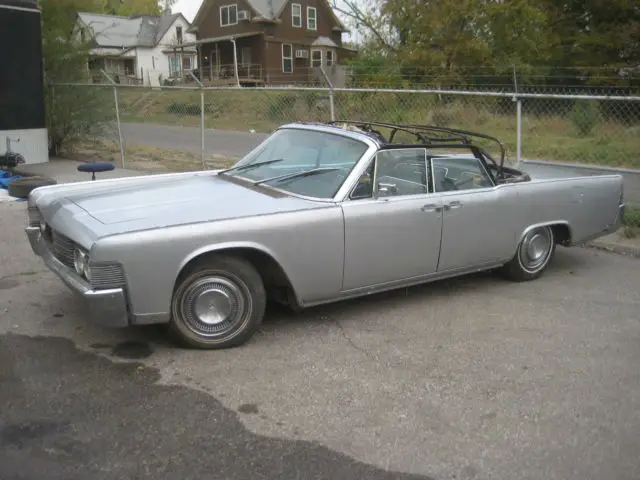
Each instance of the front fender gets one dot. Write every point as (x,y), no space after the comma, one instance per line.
(226,246)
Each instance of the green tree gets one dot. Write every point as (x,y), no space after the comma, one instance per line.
(72,112)
(127,8)
(594,33)
(444,37)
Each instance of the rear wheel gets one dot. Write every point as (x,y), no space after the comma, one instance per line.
(534,254)
(217,304)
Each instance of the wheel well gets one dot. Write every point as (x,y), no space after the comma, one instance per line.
(276,282)
(561,233)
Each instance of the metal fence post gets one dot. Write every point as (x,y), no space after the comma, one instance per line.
(331,102)
(204,162)
(115,98)
(519,129)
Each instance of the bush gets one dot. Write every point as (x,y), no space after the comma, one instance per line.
(585,115)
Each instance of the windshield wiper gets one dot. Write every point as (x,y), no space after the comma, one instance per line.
(293,176)
(241,168)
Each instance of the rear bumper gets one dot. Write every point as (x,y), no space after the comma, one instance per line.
(106,307)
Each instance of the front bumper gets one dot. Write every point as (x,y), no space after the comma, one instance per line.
(106,307)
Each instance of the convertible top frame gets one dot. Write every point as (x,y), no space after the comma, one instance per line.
(429,135)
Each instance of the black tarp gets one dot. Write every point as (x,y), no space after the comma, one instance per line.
(21,75)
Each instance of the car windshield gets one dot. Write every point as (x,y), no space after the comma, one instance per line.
(305,162)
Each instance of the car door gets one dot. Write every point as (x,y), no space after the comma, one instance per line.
(477,227)
(392,223)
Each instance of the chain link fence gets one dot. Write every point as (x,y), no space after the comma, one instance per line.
(171,127)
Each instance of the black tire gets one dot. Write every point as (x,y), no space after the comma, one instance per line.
(22,187)
(522,267)
(219,303)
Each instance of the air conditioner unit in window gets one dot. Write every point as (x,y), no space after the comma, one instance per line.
(243,15)
(302,53)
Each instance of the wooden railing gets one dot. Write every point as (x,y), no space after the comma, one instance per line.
(224,72)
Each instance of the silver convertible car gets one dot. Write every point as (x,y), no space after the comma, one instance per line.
(315,214)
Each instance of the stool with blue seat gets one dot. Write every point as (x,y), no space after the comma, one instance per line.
(96,167)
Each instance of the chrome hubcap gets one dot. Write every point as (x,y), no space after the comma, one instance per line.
(213,306)
(536,248)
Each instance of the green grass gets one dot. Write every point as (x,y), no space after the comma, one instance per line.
(631,217)
(546,135)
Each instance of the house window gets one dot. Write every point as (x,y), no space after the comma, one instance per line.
(330,58)
(229,15)
(287,58)
(311,18)
(296,15)
(186,63)
(316,58)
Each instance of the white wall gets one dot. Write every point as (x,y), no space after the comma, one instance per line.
(147,57)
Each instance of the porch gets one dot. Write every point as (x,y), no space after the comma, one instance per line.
(230,60)
(121,69)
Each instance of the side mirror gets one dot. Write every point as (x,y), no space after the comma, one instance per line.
(385,189)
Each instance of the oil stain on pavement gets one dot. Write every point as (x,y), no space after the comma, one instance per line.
(69,414)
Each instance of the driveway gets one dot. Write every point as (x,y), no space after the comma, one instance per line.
(475,378)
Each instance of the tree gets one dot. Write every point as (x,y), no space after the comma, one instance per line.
(72,112)
(127,8)
(589,33)
(443,37)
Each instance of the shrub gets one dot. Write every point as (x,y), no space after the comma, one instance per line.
(585,115)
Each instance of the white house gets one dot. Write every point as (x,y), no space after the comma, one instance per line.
(142,49)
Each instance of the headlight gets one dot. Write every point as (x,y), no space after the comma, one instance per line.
(80,261)
(87,270)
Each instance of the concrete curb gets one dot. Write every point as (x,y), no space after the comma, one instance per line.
(613,246)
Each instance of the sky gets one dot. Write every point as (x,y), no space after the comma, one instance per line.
(188,8)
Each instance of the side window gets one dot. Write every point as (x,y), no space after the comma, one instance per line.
(394,173)
(450,174)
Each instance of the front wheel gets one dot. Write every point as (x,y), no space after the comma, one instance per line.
(218,304)
(533,255)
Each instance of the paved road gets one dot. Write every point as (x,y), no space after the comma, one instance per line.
(234,144)
(476,378)
(237,144)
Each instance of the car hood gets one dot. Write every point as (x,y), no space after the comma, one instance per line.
(182,200)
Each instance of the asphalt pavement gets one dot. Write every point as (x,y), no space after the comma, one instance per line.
(237,144)
(474,378)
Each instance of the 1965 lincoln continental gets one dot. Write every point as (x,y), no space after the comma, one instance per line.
(316,213)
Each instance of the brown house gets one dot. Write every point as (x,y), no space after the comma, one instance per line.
(255,42)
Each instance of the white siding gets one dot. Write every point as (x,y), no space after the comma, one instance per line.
(147,57)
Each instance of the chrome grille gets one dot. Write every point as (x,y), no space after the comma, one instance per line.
(107,276)
(62,248)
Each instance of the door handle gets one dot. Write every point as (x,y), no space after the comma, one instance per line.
(431,207)
(452,205)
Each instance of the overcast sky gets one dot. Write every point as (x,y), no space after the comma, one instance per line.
(188,8)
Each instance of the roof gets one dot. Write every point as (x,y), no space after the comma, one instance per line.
(324,42)
(127,32)
(221,38)
(266,9)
